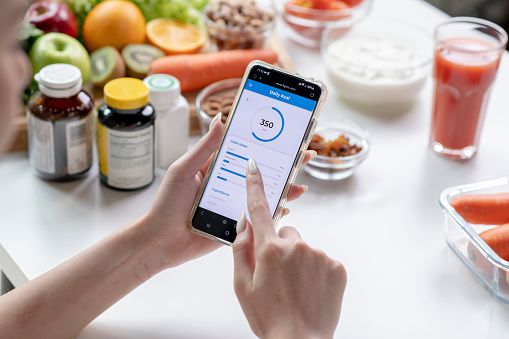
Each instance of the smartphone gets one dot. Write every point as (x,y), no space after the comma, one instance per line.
(272,120)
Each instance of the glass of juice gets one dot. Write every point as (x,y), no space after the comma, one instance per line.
(467,54)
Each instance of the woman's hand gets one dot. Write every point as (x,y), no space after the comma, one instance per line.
(93,280)
(286,288)
(168,215)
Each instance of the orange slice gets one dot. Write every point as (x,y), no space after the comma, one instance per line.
(175,37)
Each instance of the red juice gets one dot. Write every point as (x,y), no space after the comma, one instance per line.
(464,71)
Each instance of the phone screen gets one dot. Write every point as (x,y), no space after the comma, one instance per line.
(268,125)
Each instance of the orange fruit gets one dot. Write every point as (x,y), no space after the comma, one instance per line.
(113,23)
(175,37)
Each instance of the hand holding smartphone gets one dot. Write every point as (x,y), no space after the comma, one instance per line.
(272,121)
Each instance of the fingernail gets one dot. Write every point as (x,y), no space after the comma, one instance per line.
(305,188)
(286,211)
(241,222)
(252,168)
(218,116)
(312,154)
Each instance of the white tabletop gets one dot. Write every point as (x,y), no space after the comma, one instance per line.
(384,223)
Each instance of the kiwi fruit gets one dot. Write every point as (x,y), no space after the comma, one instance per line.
(138,57)
(107,64)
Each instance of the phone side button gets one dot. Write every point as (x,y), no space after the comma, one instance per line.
(310,131)
(301,158)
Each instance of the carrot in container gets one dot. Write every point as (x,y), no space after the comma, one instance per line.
(196,71)
(487,209)
(498,239)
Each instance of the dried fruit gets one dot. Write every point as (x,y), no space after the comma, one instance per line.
(339,147)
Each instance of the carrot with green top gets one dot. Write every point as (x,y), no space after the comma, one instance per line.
(487,209)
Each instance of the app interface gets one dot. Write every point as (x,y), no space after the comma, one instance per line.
(268,126)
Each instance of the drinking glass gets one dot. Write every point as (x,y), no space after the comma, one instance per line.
(467,55)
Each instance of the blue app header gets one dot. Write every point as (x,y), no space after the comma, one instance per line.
(278,94)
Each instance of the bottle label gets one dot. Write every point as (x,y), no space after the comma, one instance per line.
(41,149)
(79,145)
(126,158)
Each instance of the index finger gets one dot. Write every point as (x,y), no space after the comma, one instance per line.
(259,211)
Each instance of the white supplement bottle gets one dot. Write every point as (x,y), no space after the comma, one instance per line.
(172,123)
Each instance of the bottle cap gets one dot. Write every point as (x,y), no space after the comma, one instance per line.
(164,89)
(59,80)
(126,93)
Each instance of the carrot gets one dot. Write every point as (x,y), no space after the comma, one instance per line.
(487,209)
(498,239)
(196,71)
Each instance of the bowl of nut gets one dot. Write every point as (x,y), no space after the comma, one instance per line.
(216,98)
(238,24)
(340,147)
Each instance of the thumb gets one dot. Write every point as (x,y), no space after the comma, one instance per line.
(191,162)
(243,254)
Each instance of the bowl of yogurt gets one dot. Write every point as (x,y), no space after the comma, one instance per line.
(380,63)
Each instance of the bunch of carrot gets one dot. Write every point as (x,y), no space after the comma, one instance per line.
(488,209)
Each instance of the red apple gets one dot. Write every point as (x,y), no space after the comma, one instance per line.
(50,16)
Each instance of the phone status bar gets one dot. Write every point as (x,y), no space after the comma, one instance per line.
(285,82)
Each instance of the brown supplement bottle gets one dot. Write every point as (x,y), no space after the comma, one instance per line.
(60,124)
(126,135)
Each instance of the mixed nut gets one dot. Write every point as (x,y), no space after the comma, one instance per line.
(238,25)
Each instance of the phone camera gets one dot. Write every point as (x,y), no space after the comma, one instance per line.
(312,95)
(254,76)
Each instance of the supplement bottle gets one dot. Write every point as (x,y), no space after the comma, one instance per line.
(125,135)
(172,124)
(60,124)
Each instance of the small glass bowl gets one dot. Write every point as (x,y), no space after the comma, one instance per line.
(239,36)
(379,63)
(214,89)
(464,240)
(338,168)
(306,25)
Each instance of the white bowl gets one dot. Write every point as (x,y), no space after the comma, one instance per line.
(379,62)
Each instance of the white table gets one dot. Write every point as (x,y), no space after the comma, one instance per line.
(384,224)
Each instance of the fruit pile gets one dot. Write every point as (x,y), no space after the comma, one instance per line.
(109,39)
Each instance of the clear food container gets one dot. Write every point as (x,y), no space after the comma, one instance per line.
(307,24)
(339,167)
(463,238)
(238,24)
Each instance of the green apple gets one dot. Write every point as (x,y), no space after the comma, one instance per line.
(52,48)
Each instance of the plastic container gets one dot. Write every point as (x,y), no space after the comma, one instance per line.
(60,124)
(380,63)
(172,123)
(223,92)
(341,167)
(463,238)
